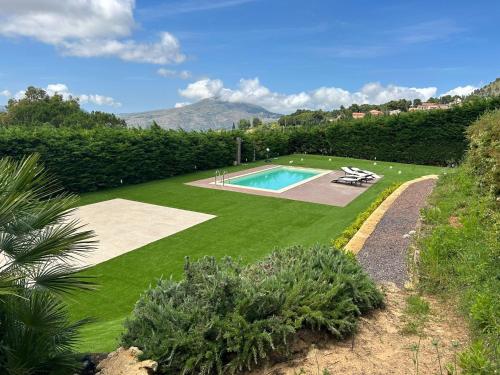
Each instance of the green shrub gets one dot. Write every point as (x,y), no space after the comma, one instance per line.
(483,156)
(348,233)
(476,360)
(415,315)
(223,318)
(416,305)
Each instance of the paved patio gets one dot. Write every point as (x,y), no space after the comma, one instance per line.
(320,190)
(123,225)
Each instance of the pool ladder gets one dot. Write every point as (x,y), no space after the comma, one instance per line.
(221,175)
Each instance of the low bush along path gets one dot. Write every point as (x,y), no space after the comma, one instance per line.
(384,253)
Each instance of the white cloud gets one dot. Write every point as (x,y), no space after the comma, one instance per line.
(19,94)
(58,88)
(86,29)
(181,104)
(202,89)
(5,93)
(55,21)
(461,90)
(188,6)
(326,98)
(99,100)
(165,51)
(168,73)
(424,32)
(63,90)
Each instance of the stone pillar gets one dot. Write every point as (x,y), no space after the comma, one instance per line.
(238,150)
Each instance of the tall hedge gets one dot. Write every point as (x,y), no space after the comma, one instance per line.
(424,137)
(92,159)
(87,160)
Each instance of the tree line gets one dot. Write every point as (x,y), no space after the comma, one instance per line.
(317,117)
(39,108)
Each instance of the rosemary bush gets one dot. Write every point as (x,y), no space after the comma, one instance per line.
(224,318)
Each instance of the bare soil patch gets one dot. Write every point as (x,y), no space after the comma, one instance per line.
(380,347)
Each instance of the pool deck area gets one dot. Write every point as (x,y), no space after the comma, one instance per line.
(319,190)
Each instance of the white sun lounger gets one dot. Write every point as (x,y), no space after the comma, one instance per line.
(352,180)
(349,172)
(365,172)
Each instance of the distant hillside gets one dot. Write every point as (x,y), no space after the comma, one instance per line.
(205,114)
(491,89)
(2,108)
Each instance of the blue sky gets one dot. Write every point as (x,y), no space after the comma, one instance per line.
(126,56)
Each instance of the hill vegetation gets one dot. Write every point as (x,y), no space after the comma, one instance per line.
(459,246)
(491,89)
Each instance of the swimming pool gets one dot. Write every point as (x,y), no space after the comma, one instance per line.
(277,179)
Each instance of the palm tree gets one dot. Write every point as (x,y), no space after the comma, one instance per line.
(39,244)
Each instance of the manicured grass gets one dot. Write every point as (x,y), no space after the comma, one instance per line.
(246,227)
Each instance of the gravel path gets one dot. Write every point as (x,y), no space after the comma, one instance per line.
(383,255)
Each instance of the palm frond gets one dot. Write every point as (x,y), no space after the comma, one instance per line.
(39,244)
(60,278)
(60,242)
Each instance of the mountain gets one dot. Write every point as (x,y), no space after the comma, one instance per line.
(206,114)
(491,89)
(2,108)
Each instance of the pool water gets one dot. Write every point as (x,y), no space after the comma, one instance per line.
(275,179)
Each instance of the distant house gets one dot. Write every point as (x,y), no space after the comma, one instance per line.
(358,115)
(427,106)
(395,112)
(333,119)
(376,112)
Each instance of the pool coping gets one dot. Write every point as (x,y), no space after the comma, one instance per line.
(278,191)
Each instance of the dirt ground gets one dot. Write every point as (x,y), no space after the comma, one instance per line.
(380,346)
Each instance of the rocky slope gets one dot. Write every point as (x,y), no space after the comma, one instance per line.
(491,89)
(205,114)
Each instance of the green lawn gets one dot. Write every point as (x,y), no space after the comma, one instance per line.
(246,227)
